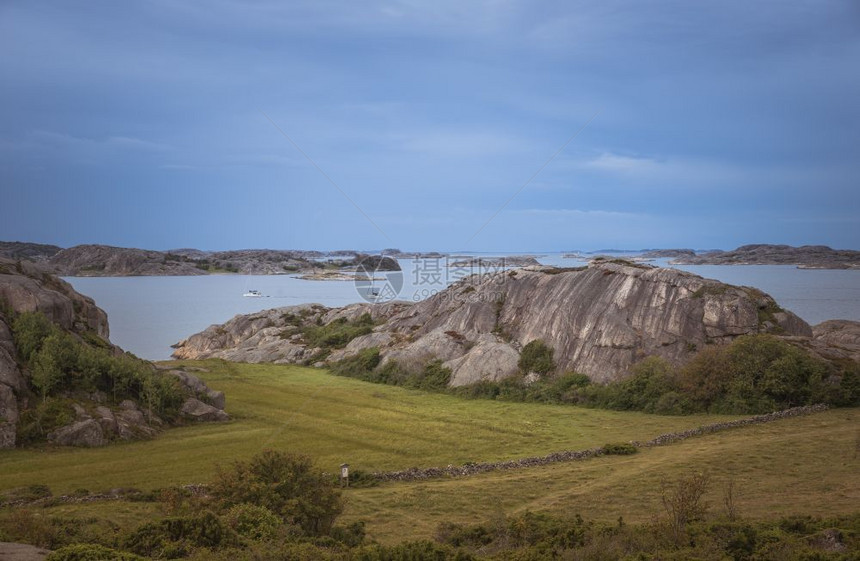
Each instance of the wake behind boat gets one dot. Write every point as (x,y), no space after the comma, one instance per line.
(253,294)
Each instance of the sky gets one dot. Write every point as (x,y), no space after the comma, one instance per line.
(494,125)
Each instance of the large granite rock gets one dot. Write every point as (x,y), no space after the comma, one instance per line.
(197,387)
(27,287)
(87,433)
(598,319)
(837,338)
(196,410)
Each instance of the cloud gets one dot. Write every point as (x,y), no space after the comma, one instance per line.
(460,143)
(53,138)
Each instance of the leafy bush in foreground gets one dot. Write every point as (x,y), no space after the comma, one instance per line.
(286,484)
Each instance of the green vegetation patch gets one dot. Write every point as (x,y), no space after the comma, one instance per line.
(338,333)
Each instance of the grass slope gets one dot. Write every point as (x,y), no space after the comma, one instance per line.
(807,465)
(335,420)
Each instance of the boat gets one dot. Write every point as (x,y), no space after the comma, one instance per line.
(253,294)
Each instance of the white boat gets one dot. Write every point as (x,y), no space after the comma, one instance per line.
(253,294)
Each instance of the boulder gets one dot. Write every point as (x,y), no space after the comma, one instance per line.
(195,409)
(86,433)
(489,360)
(107,420)
(199,388)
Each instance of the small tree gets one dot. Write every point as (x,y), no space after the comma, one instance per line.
(683,502)
(536,357)
(286,484)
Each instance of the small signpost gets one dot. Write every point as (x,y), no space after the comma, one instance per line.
(344,475)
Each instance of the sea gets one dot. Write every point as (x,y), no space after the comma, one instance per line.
(149,314)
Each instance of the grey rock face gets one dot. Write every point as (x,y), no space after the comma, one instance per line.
(490,360)
(599,320)
(196,410)
(838,338)
(270,335)
(86,433)
(32,289)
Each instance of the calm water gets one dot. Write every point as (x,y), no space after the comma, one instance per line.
(148,314)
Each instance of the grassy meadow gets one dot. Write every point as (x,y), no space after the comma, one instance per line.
(808,465)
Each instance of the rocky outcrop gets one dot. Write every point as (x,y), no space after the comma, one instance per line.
(28,287)
(87,433)
(598,319)
(807,257)
(837,339)
(272,335)
(196,410)
(197,387)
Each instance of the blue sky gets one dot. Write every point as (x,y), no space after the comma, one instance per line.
(710,124)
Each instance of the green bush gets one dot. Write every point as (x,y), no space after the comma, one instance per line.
(287,484)
(337,333)
(58,361)
(536,357)
(29,330)
(36,422)
(177,536)
(754,374)
(91,552)
(619,449)
(358,366)
(253,522)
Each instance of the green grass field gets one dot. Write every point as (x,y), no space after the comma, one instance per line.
(805,465)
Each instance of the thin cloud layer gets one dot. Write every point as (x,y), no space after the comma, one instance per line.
(719,123)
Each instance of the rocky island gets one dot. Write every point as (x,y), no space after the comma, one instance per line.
(599,320)
(804,257)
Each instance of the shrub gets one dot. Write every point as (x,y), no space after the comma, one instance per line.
(176,536)
(29,330)
(536,357)
(58,361)
(253,522)
(35,423)
(754,374)
(359,365)
(619,449)
(286,484)
(337,333)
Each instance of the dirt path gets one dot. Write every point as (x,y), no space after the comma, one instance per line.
(21,552)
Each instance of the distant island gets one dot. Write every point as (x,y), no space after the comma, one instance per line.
(109,261)
(804,257)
